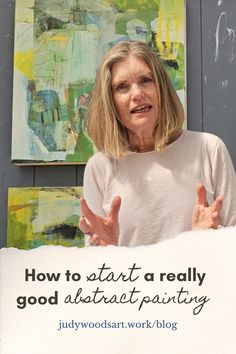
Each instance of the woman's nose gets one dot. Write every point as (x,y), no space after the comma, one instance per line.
(136,91)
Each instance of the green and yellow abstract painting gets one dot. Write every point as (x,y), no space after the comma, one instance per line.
(44,216)
(58,47)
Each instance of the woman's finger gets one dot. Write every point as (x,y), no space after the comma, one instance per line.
(201,195)
(217,205)
(215,220)
(102,243)
(115,208)
(86,211)
(84,226)
(94,240)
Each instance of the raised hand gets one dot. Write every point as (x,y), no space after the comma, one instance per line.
(103,230)
(205,216)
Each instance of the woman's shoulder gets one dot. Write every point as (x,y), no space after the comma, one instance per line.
(206,143)
(208,139)
(98,157)
(98,161)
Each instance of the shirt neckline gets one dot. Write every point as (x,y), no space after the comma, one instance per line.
(169,146)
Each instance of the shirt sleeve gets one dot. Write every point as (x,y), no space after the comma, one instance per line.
(93,186)
(224,180)
(94,183)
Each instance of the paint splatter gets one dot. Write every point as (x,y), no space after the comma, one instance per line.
(223,84)
(223,34)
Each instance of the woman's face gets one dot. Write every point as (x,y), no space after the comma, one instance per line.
(135,95)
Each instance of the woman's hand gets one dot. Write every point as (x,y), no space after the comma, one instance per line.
(205,216)
(103,230)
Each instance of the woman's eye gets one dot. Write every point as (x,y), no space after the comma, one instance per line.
(122,87)
(145,79)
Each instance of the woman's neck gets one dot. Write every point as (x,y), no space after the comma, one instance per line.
(141,144)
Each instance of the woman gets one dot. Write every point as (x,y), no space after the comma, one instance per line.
(141,185)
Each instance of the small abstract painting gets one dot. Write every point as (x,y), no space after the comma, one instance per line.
(44,216)
(58,47)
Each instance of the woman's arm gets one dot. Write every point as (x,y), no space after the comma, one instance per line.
(222,179)
(100,228)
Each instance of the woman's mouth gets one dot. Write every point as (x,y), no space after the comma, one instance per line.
(141,108)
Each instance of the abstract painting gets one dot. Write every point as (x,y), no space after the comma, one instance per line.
(58,47)
(44,216)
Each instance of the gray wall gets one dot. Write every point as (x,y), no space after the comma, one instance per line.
(211,92)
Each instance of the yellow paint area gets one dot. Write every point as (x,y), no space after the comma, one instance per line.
(23,216)
(22,211)
(59,38)
(170,27)
(19,196)
(23,61)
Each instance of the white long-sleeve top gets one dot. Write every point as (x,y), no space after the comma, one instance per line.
(158,189)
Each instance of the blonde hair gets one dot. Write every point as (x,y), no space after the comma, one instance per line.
(103,124)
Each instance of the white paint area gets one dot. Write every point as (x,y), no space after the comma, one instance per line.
(225,34)
(224,84)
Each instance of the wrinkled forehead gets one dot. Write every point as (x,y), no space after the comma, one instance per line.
(130,65)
